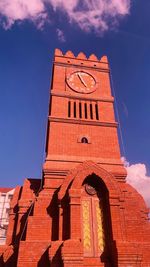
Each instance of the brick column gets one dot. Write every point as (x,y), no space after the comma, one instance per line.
(72,253)
(75,207)
(72,250)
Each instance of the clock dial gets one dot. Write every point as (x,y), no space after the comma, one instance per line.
(81,82)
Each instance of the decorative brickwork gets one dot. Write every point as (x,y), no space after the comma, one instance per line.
(82,212)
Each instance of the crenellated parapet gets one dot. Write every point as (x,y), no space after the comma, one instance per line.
(81,59)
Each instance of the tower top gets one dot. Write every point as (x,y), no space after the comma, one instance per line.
(80,57)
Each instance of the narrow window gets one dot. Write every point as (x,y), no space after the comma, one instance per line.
(85,110)
(80,110)
(75,110)
(84,140)
(96,111)
(69,109)
(91,112)
(10,197)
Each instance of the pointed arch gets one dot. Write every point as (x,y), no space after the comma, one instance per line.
(91,209)
(78,175)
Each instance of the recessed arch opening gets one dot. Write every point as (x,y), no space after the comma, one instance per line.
(84,140)
(95,202)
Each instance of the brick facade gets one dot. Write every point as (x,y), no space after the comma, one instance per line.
(82,212)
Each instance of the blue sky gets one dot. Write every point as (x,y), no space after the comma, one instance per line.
(29,33)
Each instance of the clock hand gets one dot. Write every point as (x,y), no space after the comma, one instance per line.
(80,77)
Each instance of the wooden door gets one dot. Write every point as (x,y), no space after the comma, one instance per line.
(92,226)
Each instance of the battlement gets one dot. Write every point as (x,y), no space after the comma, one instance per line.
(81,59)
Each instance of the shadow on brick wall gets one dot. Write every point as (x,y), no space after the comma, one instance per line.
(44,260)
(53,212)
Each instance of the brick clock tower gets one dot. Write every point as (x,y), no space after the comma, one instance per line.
(82,213)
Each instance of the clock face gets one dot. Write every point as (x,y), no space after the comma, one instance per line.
(82,82)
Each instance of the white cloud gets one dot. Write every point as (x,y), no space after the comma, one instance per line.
(138,178)
(60,35)
(97,15)
(18,10)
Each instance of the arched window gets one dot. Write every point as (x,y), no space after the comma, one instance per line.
(84,140)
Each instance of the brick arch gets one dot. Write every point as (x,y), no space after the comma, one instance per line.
(75,179)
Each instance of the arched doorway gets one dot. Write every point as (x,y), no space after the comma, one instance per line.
(96,220)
